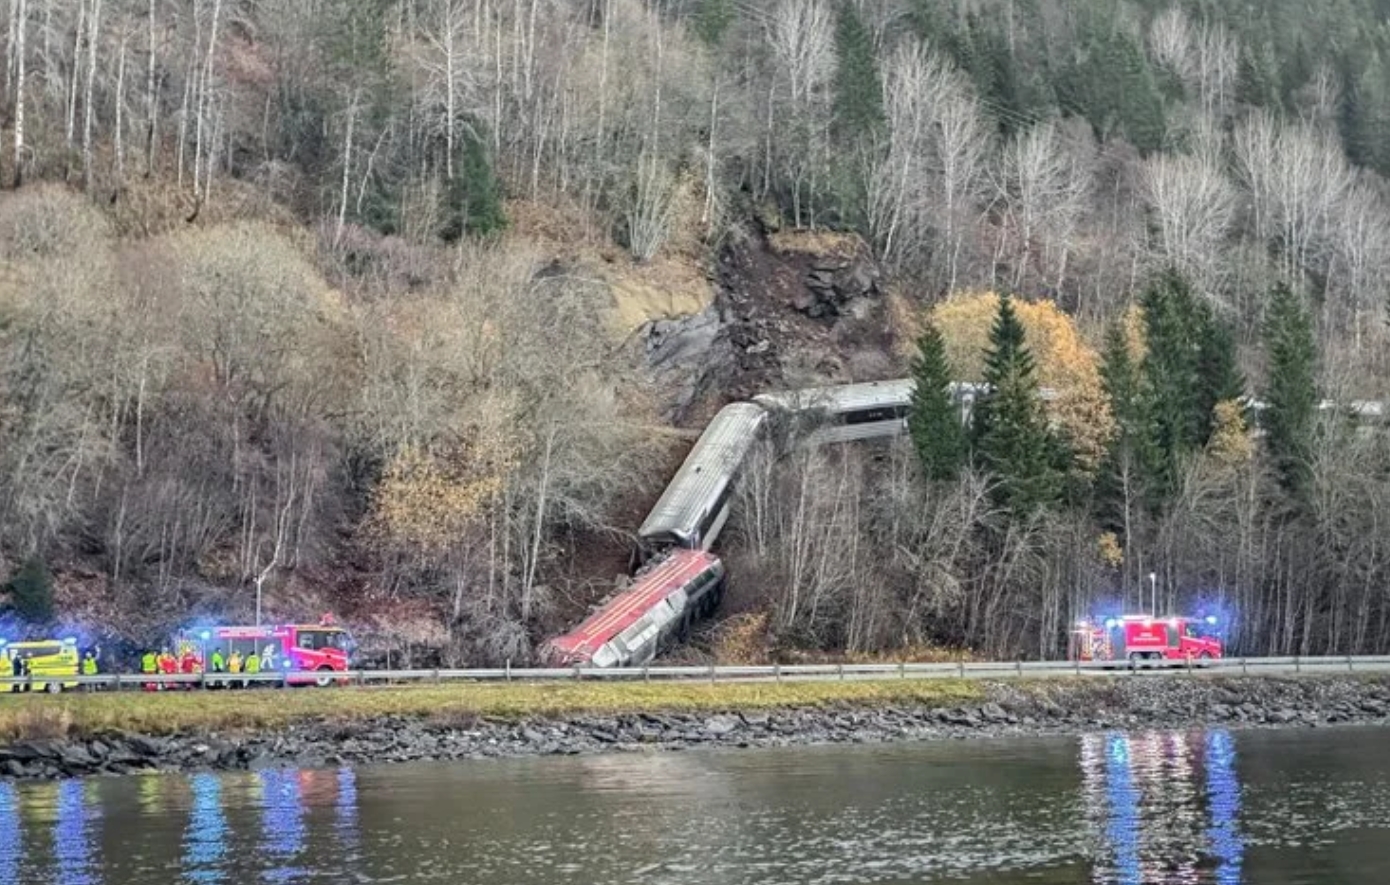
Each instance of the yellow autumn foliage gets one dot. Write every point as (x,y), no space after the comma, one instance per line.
(1109,549)
(1231,443)
(428,499)
(1065,363)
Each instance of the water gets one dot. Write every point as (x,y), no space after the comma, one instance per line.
(1272,808)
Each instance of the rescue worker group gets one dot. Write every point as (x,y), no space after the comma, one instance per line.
(43,667)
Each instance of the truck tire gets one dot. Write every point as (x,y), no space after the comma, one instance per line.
(54,688)
(324,681)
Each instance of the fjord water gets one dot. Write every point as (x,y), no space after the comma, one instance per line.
(1272,808)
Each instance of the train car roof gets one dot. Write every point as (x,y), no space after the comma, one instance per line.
(627,607)
(841,397)
(716,454)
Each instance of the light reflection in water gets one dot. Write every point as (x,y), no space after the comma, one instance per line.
(1155,798)
(282,823)
(1223,795)
(73,843)
(10,836)
(205,839)
(345,824)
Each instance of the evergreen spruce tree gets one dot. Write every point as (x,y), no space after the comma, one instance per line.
(934,420)
(1120,482)
(712,19)
(1219,378)
(858,93)
(475,197)
(1171,373)
(1011,434)
(31,592)
(1292,392)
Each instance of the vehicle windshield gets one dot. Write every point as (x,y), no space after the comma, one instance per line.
(321,640)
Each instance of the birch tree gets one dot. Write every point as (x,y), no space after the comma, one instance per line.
(1191,205)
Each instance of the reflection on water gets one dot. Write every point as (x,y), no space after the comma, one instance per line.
(1168,805)
(205,838)
(1129,809)
(10,838)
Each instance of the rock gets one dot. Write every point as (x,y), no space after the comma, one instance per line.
(718,726)
(13,768)
(992,712)
(147,746)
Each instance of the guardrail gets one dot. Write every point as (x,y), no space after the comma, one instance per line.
(1270,666)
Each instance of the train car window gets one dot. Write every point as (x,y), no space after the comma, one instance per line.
(879,413)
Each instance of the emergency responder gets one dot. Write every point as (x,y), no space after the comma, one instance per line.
(218,665)
(253,666)
(268,658)
(168,666)
(89,666)
(149,663)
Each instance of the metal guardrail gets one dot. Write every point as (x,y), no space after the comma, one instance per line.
(1269,666)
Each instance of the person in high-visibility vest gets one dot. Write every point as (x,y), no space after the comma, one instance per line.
(218,665)
(89,667)
(252,667)
(149,663)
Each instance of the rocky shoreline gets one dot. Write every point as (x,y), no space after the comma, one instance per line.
(1005,708)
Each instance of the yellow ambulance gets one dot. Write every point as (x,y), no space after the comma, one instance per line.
(49,661)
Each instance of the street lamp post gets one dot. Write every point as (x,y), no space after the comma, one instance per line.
(1153,593)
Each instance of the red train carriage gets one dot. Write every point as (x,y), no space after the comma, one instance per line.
(659,606)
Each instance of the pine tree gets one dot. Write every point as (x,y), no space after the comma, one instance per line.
(1011,434)
(31,592)
(1292,392)
(934,420)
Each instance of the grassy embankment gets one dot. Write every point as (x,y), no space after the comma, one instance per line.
(79,715)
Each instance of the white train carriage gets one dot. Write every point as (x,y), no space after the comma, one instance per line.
(695,506)
(852,412)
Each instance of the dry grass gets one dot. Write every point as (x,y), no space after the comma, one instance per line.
(30,717)
(821,243)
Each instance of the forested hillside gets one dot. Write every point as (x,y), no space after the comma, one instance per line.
(334,300)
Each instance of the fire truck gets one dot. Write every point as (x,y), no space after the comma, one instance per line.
(295,649)
(1138,638)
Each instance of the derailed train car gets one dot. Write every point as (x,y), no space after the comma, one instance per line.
(695,506)
(656,610)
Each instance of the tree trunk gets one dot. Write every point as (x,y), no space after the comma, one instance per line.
(19,94)
(93,31)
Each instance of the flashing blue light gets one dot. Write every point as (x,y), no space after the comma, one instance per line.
(3,642)
(71,640)
(1211,619)
(1111,623)
(206,635)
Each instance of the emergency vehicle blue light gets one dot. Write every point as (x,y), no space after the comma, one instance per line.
(1211,619)
(206,635)
(71,640)
(1111,623)
(3,641)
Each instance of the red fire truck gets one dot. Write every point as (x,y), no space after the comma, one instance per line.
(293,649)
(1144,638)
